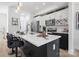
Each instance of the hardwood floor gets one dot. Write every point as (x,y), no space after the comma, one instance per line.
(64,53)
(4,51)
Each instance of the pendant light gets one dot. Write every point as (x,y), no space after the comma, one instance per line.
(18,7)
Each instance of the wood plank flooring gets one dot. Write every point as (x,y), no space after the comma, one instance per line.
(64,53)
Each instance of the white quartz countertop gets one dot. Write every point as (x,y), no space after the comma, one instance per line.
(59,32)
(39,41)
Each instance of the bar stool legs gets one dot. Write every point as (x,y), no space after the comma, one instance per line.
(16,52)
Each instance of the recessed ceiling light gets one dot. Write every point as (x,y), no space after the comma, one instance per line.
(43,3)
(37,8)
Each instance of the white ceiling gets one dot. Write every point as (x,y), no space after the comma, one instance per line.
(31,6)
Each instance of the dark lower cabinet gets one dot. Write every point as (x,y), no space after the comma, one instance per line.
(53,49)
(63,40)
(50,49)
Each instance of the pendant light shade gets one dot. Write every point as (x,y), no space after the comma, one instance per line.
(19,5)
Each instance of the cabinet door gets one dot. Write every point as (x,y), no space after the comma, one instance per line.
(64,42)
(53,49)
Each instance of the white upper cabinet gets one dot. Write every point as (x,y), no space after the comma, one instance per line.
(59,15)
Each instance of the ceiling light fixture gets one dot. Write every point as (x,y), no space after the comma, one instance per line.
(19,5)
(37,8)
(43,3)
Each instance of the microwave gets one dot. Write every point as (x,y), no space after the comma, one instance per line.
(50,22)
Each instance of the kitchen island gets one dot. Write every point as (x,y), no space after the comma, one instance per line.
(39,46)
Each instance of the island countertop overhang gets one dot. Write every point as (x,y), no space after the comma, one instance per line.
(39,41)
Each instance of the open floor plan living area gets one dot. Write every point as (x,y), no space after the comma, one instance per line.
(39,29)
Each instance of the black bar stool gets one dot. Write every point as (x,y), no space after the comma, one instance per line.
(14,42)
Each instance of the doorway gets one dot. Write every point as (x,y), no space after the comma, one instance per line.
(3,25)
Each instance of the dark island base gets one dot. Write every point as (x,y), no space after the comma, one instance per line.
(63,40)
(48,50)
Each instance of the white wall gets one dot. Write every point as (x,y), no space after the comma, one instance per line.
(75,32)
(71,28)
(3,21)
(12,13)
(4,10)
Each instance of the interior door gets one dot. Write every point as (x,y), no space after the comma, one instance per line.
(3,24)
